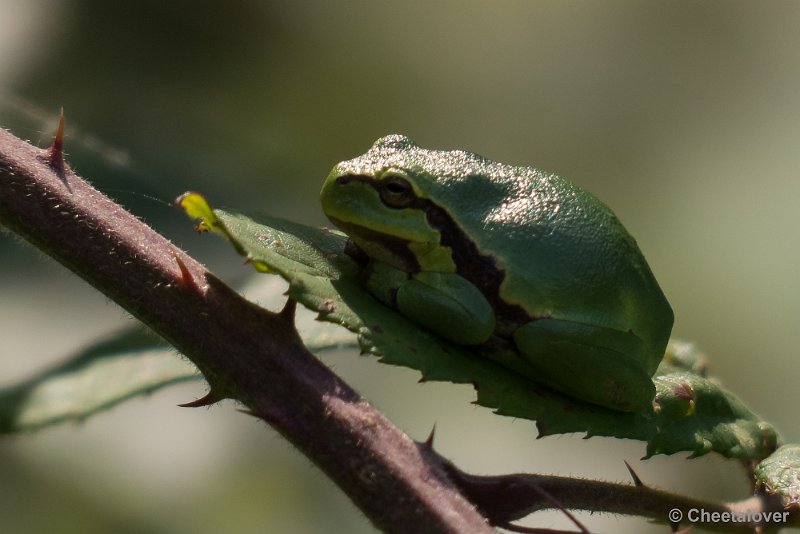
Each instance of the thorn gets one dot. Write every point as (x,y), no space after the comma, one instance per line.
(327,307)
(558,505)
(56,152)
(636,480)
(54,156)
(210,398)
(287,313)
(685,391)
(186,278)
(249,412)
(429,442)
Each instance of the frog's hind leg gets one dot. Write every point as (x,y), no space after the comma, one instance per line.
(599,365)
(447,304)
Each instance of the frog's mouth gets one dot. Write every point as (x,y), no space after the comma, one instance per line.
(368,243)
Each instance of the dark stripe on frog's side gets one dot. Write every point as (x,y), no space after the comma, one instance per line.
(480,269)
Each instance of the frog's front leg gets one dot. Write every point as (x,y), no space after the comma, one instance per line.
(597,364)
(445,303)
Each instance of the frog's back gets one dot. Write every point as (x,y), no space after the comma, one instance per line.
(563,252)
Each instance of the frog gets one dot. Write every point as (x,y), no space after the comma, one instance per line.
(516,264)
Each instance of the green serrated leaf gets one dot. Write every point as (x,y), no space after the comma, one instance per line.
(325,279)
(697,410)
(780,473)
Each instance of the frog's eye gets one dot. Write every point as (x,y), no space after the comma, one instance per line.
(396,192)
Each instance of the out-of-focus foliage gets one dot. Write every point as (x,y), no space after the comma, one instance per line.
(124,365)
(132,363)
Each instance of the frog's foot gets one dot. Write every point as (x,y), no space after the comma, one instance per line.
(599,365)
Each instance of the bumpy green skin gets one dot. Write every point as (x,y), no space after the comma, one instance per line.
(536,272)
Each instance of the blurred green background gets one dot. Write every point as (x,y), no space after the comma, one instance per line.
(682,116)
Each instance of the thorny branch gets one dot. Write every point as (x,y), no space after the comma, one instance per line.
(245,352)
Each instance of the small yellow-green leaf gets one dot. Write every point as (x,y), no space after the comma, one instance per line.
(197,207)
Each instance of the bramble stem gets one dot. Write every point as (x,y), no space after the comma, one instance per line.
(245,352)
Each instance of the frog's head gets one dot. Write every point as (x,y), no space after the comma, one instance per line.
(380,200)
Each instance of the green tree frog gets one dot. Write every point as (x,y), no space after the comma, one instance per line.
(525,267)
